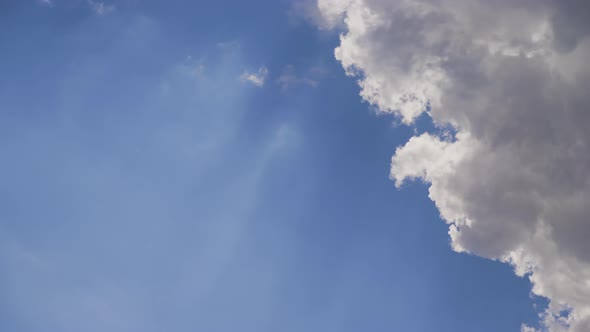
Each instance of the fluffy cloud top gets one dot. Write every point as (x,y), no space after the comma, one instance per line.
(511,79)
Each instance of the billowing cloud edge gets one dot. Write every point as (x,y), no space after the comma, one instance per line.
(510,79)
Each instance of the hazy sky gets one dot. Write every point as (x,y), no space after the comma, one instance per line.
(209,166)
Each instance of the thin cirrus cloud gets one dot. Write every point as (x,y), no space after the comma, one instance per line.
(513,182)
(98,7)
(112,203)
(292,77)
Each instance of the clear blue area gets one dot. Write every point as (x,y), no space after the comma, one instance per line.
(144,187)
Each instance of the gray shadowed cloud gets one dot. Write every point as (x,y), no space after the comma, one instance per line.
(513,183)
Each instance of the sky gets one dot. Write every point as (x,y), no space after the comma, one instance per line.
(279,165)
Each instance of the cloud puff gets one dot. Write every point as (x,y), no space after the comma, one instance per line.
(258,78)
(511,79)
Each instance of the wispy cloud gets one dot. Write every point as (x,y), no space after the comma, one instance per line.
(257,78)
(192,67)
(46,3)
(290,77)
(99,7)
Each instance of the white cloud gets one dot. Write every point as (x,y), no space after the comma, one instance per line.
(257,78)
(511,78)
(308,11)
(100,8)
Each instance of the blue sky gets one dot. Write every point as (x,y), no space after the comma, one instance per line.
(146,187)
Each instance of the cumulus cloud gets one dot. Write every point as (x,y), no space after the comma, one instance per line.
(511,79)
(257,78)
